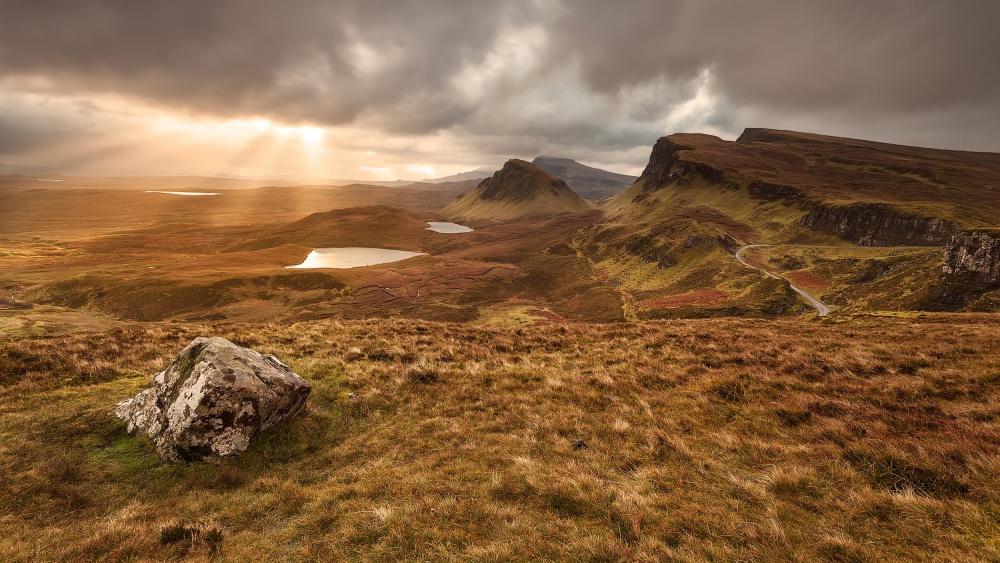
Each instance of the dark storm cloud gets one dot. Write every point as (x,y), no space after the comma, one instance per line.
(903,55)
(597,74)
(295,59)
(32,124)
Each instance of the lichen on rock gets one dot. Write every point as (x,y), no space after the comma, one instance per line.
(977,252)
(212,400)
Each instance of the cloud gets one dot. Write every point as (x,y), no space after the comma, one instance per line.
(322,62)
(896,55)
(454,83)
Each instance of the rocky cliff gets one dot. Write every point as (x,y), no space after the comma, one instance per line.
(976,252)
(879,224)
(666,166)
(970,277)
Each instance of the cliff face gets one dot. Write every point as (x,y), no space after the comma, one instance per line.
(879,224)
(666,166)
(971,274)
(976,252)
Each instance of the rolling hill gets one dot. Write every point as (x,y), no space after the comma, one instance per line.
(865,227)
(517,191)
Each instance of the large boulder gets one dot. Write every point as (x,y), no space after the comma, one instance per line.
(212,399)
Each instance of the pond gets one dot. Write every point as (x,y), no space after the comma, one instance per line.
(445,227)
(182,193)
(353,257)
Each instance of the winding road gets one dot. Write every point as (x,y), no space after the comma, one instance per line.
(821,308)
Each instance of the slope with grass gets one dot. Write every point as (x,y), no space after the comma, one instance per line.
(849,440)
(662,248)
(819,183)
(519,190)
(821,308)
(780,187)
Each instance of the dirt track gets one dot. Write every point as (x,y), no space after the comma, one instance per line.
(821,308)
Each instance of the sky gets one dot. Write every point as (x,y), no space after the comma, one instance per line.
(379,90)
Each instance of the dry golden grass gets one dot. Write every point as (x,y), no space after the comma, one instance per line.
(850,440)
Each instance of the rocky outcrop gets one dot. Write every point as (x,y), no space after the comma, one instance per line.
(976,252)
(666,167)
(767,191)
(879,224)
(212,399)
(970,278)
(519,190)
(518,181)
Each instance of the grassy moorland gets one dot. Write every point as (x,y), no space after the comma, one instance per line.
(851,439)
(468,404)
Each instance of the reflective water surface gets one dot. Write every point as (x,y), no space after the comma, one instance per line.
(444,227)
(353,257)
(182,193)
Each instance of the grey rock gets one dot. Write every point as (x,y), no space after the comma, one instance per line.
(668,166)
(212,399)
(977,252)
(879,224)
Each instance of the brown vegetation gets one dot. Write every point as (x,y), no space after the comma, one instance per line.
(807,280)
(700,297)
(855,170)
(855,439)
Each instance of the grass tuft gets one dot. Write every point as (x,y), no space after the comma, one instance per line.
(191,536)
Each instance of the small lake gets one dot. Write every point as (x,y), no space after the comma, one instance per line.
(353,257)
(444,227)
(182,193)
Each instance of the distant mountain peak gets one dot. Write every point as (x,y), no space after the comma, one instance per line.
(520,180)
(591,183)
(518,190)
(481,172)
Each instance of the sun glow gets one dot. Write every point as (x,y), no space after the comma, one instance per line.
(146,139)
(422,170)
(311,135)
(308,135)
(247,146)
